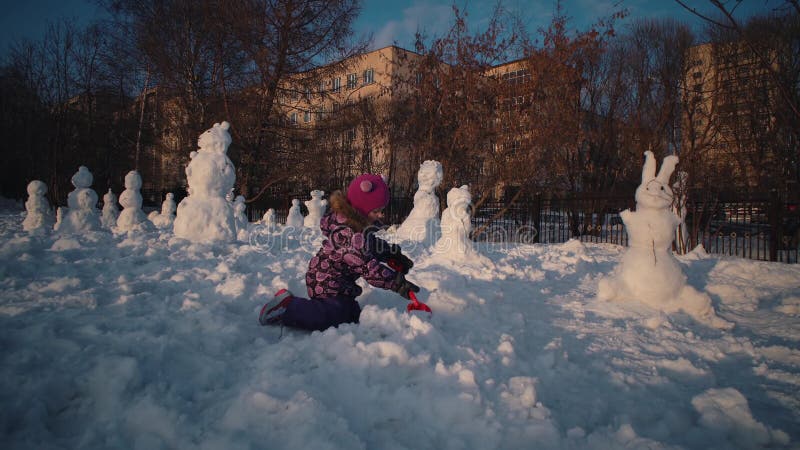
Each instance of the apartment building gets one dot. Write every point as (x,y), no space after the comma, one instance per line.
(345,112)
(728,112)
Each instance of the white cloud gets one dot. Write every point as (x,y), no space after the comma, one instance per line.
(431,19)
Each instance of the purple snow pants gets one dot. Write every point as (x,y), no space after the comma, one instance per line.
(320,313)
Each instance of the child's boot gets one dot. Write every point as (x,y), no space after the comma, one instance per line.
(272,312)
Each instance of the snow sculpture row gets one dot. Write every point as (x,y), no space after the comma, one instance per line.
(648,271)
(80,215)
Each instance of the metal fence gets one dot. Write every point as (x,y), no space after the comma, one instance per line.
(760,226)
(756,226)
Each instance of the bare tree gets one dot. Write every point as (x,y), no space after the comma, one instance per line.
(287,46)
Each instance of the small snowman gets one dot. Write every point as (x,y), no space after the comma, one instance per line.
(240,218)
(205,215)
(81,215)
(108,218)
(454,243)
(316,209)
(648,271)
(269,221)
(422,223)
(164,219)
(295,217)
(39,217)
(132,217)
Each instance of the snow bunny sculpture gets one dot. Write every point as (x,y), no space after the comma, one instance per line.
(110,214)
(648,271)
(316,209)
(205,215)
(39,217)
(81,214)
(422,223)
(295,217)
(132,217)
(164,219)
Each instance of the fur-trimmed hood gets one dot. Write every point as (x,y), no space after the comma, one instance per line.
(350,217)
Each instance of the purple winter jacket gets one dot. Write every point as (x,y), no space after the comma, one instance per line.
(345,256)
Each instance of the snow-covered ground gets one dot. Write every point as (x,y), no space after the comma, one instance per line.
(146,341)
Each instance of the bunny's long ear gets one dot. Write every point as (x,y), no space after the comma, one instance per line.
(649,169)
(667,167)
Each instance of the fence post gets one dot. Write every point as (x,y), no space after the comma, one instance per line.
(775,222)
(537,216)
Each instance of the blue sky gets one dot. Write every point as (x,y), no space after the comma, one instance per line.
(389,21)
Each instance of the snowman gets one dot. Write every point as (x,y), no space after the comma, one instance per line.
(269,221)
(108,218)
(164,219)
(240,218)
(422,223)
(295,217)
(316,209)
(205,215)
(39,216)
(132,217)
(454,243)
(81,215)
(648,271)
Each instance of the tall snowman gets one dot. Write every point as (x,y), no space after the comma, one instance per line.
(81,214)
(316,209)
(132,218)
(422,224)
(648,271)
(205,215)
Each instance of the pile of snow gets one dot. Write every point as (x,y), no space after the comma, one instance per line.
(141,341)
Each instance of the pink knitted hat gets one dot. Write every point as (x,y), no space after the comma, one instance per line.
(368,192)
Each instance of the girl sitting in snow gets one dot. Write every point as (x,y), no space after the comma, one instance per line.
(350,251)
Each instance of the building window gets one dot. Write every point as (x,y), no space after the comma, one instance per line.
(352,80)
(307,116)
(348,138)
(337,84)
(369,76)
(321,87)
(419,79)
(308,94)
(293,118)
